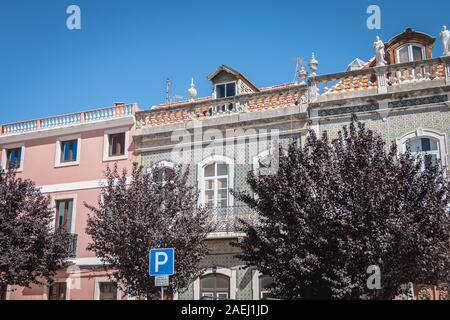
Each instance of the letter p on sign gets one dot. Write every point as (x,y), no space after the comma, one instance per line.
(162,262)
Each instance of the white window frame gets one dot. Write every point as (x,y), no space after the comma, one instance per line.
(59,142)
(225,83)
(201,177)
(106,135)
(426,133)
(256,290)
(5,155)
(72,197)
(58,280)
(161,164)
(98,280)
(231,274)
(410,52)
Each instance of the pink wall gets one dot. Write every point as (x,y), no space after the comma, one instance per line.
(39,166)
(39,160)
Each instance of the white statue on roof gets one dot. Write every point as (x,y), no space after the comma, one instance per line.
(445,37)
(379,52)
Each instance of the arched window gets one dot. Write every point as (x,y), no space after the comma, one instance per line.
(162,171)
(216,176)
(410,52)
(430,144)
(215,286)
(427,148)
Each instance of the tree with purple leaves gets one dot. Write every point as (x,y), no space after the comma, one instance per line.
(336,207)
(153,210)
(31,250)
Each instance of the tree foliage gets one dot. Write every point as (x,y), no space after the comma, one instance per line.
(151,211)
(336,207)
(31,251)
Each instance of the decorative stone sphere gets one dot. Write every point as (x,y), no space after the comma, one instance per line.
(192,92)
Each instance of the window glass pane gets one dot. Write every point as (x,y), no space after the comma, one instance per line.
(108,291)
(417,53)
(220,91)
(69,151)
(57,291)
(13,157)
(207,282)
(222,283)
(222,169)
(222,198)
(117,144)
(208,294)
(426,144)
(231,89)
(209,185)
(222,295)
(422,145)
(265,282)
(403,54)
(433,144)
(414,145)
(209,198)
(210,170)
(223,183)
(64,214)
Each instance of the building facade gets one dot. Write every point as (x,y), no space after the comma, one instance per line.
(404,96)
(66,157)
(403,93)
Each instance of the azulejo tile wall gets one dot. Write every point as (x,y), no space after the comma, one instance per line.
(397,123)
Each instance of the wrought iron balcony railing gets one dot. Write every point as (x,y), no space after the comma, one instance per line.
(229,219)
(72,246)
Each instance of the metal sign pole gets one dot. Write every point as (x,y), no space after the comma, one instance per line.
(162,293)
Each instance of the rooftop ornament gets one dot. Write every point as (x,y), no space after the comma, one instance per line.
(379,52)
(192,92)
(301,73)
(445,37)
(313,63)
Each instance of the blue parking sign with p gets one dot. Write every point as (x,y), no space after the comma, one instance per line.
(162,262)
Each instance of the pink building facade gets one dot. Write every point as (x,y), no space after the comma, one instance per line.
(66,157)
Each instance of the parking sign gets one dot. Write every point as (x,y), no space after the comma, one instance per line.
(162,262)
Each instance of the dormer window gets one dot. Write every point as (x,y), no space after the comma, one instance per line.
(224,90)
(410,52)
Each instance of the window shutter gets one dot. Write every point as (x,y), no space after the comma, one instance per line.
(74,150)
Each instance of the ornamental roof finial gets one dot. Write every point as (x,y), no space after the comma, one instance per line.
(313,63)
(192,92)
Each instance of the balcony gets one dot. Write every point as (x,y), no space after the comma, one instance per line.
(72,246)
(380,80)
(86,117)
(285,97)
(227,220)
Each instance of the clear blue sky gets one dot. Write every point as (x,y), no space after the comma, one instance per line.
(127,48)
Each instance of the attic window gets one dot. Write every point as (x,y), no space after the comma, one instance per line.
(410,52)
(224,90)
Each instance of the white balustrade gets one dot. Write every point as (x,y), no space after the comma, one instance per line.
(68,120)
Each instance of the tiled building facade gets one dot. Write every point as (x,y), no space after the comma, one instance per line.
(225,135)
(406,100)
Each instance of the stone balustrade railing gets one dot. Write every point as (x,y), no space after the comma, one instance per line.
(119,110)
(267,99)
(417,71)
(342,82)
(382,79)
